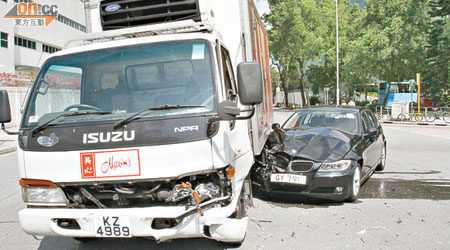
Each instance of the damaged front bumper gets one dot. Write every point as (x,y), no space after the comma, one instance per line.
(334,186)
(80,223)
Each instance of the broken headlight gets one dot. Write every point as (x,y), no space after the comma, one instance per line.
(41,191)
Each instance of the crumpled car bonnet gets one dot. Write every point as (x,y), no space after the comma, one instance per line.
(317,144)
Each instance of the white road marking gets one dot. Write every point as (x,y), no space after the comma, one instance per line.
(420,133)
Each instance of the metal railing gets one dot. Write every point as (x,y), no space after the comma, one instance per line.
(426,114)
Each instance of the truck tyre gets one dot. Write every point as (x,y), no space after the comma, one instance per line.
(84,240)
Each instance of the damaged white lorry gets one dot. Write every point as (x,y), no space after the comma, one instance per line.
(149,125)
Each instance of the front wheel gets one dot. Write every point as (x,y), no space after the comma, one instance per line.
(430,117)
(355,185)
(84,240)
(418,117)
(401,117)
(446,117)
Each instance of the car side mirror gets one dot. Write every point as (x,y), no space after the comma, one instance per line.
(250,83)
(372,131)
(5,108)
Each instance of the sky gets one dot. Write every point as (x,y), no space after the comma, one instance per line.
(262,5)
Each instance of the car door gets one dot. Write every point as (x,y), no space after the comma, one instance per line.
(379,140)
(368,144)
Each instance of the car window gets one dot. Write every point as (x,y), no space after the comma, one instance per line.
(372,118)
(366,122)
(342,120)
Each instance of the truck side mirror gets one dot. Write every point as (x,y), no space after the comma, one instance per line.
(5,109)
(228,110)
(250,82)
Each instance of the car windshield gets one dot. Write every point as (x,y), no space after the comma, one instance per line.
(124,81)
(342,120)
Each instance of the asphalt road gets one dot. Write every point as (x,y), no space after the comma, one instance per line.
(407,206)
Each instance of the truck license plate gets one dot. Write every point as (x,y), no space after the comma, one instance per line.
(112,226)
(288,178)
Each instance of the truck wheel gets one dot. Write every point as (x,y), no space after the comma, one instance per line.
(84,240)
(241,208)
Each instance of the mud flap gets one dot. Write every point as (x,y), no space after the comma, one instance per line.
(227,230)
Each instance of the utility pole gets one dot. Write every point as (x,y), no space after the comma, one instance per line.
(338,100)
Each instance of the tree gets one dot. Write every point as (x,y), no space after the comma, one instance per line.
(395,38)
(438,51)
(297,35)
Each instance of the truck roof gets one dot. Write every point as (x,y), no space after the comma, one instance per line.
(133,41)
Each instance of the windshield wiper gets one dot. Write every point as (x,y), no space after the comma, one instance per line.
(128,119)
(76,113)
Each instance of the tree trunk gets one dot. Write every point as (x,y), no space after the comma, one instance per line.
(302,86)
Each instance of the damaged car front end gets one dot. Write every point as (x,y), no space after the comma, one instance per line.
(318,158)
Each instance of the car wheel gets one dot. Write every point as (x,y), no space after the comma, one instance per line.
(382,164)
(355,185)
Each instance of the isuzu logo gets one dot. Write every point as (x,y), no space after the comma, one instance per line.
(186,128)
(118,136)
(48,141)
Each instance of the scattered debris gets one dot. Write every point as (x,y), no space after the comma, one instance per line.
(399,221)
(365,230)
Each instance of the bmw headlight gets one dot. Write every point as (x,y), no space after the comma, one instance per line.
(42,192)
(335,166)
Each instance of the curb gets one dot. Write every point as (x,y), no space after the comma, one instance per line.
(417,123)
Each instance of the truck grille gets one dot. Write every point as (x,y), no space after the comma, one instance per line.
(302,166)
(131,13)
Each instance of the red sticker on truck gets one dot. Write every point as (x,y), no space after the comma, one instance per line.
(110,164)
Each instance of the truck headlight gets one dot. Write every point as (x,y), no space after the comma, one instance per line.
(335,166)
(39,191)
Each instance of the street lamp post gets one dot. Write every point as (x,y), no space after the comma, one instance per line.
(337,56)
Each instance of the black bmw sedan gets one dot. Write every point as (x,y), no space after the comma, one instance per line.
(322,152)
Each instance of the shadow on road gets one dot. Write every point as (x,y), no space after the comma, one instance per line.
(57,243)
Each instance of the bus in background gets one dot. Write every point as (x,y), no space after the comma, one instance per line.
(404,92)
(368,93)
(397,92)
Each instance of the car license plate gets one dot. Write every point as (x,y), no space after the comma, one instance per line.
(112,226)
(288,178)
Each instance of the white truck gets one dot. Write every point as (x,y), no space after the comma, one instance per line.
(149,125)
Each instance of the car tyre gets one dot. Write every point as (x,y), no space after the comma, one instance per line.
(382,164)
(355,185)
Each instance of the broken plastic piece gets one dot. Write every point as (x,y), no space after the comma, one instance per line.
(207,191)
(230,172)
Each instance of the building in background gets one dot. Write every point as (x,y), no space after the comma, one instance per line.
(24,48)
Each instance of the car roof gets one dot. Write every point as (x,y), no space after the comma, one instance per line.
(333,108)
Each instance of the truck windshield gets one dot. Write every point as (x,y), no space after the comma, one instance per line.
(124,81)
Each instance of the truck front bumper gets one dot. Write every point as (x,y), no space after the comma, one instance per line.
(214,224)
